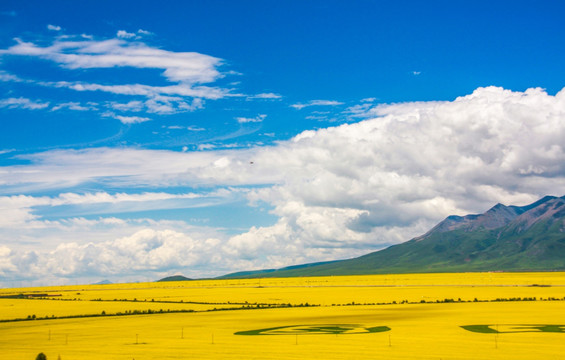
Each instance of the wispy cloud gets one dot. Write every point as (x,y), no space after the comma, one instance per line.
(189,128)
(126,119)
(53,27)
(7,77)
(195,128)
(363,110)
(134,105)
(184,67)
(125,35)
(144,32)
(149,91)
(300,106)
(187,73)
(265,96)
(76,106)
(256,119)
(22,103)
(137,35)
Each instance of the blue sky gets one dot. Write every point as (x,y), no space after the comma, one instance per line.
(203,137)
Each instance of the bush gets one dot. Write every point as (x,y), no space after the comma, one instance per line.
(41,356)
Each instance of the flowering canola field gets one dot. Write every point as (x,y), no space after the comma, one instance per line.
(413,316)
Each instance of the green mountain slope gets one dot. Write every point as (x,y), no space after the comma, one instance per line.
(174,278)
(508,238)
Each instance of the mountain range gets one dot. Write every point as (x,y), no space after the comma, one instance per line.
(504,238)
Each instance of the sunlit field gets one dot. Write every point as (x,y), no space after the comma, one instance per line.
(425,316)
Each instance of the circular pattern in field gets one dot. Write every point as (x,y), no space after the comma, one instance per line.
(514,328)
(325,329)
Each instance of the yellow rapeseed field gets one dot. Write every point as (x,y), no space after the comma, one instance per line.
(414,316)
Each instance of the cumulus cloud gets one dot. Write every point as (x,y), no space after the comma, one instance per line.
(53,27)
(75,246)
(343,191)
(146,250)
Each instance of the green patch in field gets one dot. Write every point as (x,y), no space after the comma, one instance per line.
(326,329)
(514,328)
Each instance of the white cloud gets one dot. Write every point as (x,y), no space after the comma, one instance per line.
(75,106)
(144,32)
(203,147)
(171,105)
(186,72)
(300,106)
(144,251)
(185,67)
(265,96)
(137,35)
(337,192)
(134,105)
(53,27)
(7,77)
(22,103)
(256,119)
(20,210)
(363,110)
(131,119)
(124,34)
(143,90)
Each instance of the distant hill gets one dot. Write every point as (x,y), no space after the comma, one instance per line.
(174,278)
(273,272)
(506,238)
(103,282)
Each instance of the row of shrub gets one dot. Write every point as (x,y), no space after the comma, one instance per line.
(160,311)
(439,301)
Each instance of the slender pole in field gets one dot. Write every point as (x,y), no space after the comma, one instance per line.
(49,335)
(296,343)
(66,339)
(182,333)
(389,341)
(136,338)
(212,338)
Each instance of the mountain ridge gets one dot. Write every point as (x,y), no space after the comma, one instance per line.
(503,238)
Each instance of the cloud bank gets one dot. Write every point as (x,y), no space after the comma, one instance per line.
(336,192)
